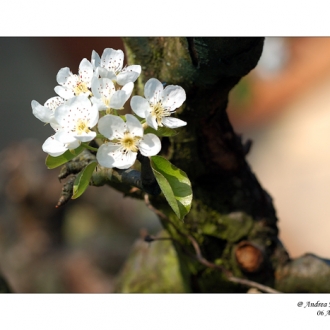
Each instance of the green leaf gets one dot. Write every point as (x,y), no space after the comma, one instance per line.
(53,162)
(174,184)
(161,131)
(82,180)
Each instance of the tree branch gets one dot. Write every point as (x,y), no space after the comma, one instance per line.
(122,180)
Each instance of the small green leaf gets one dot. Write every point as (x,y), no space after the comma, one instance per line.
(174,184)
(82,180)
(161,131)
(53,162)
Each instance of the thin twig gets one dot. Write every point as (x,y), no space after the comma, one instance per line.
(153,209)
(252,284)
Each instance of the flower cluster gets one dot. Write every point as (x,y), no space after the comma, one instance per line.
(88,106)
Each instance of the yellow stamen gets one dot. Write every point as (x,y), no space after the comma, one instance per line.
(81,88)
(129,142)
(82,127)
(158,111)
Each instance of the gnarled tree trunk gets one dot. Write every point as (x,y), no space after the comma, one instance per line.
(230,237)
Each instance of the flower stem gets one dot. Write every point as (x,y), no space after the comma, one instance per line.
(85,145)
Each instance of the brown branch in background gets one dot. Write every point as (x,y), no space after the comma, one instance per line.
(192,51)
(198,254)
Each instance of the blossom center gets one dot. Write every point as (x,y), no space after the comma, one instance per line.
(129,142)
(81,88)
(158,111)
(82,126)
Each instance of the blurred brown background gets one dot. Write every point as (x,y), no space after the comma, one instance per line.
(283,106)
(81,246)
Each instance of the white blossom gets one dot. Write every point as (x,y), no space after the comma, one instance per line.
(126,139)
(45,112)
(106,97)
(72,84)
(76,118)
(110,66)
(159,104)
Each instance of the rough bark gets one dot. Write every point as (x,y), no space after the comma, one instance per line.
(231,232)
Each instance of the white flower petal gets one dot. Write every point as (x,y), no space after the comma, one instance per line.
(71,101)
(54,147)
(128,89)
(82,108)
(61,116)
(106,154)
(112,127)
(98,103)
(85,137)
(129,74)
(82,101)
(135,68)
(93,116)
(126,160)
(104,73)
(120,97)
(150,145)
(63,75)
(66,78)
(118,100)
(95,59)
(55,125)
(140,106)
(73,145)
(111,155)
(112,59)
(64,137)
(94,78)
(86,71)
(41,112)
(153,89)
(134,126)
(151,121)
(173,122)
(80,104)
(54,102)
(96,89)
(173,97)
(64,92)
(103,88)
